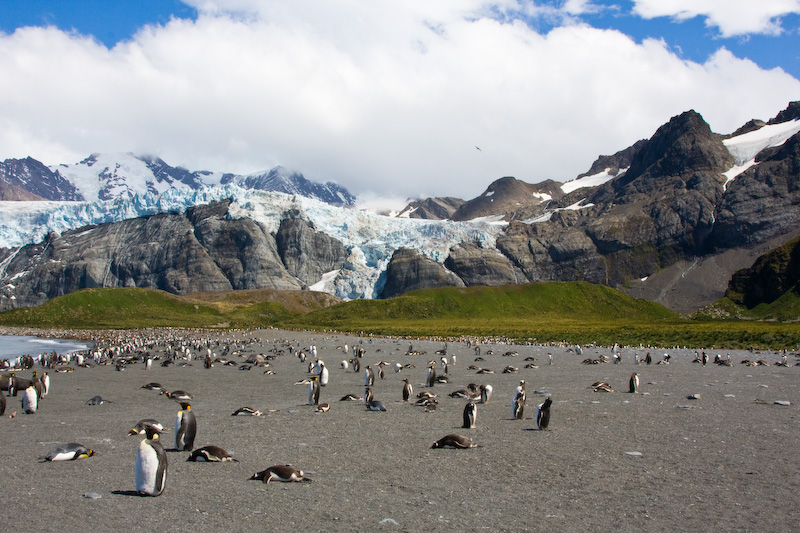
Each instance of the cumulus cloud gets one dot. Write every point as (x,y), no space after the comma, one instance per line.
(388,97)
(732,17)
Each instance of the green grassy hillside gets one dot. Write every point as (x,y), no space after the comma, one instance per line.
(115,308)
(544,312)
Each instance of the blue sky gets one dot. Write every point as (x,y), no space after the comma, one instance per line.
(384,96)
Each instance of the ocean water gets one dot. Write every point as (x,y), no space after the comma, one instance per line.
(16,345)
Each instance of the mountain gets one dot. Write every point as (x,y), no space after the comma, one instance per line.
(440,208)
(669,219)
(28,179)
(282,180)
(103,177)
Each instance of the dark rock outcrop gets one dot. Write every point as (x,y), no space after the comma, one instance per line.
(792,112)
(245,254)
(614,163)
(409,270)
(307,253)
(479,266)
(771,276)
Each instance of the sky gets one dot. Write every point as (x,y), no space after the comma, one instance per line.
(391,99)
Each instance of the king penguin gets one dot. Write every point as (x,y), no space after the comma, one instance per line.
(369,376)
(313,391)
(543,414)
(634,383)
(368,395)
(430,378)
(151,465)
(29,400)
(69,452)
(408,390)
(486,393)
(470,413)
(518,403)
(185,428)
(323,374)
(45,383)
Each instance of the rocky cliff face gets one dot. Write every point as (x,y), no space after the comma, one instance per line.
(763,202)
(306,253)
(409,270)
(771,276)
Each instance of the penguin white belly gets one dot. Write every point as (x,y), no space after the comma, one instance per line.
(29,401)
(146,469)
(179,435)
(63,456)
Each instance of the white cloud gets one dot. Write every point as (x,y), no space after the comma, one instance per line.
(732,17)
(383,97)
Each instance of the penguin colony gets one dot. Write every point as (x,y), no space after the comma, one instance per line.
(151,462)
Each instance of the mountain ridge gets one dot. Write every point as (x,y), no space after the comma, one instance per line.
(685,196)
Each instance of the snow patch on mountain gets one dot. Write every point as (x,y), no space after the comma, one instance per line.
(590,181)
(745,147)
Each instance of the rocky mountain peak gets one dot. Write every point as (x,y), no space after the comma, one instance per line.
(685,142)
(792,112)
(510,198)
(29,179)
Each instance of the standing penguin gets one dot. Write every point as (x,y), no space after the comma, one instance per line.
(369,376)
(368,395)
(36,383)
(470,413)
(430,378)
(313,391)
(323,374)
(408,390)
(634,383)
(29,400)
(45,383)
(486,393)
(518,403)
(543,414)
(151,464)
(185,428)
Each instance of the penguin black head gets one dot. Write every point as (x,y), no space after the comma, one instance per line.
(185,406)
(151,431)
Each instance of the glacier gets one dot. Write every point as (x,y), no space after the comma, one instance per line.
(371,239)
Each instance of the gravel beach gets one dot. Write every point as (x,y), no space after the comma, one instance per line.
(654,460)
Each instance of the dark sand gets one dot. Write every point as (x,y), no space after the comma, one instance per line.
(724,462)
